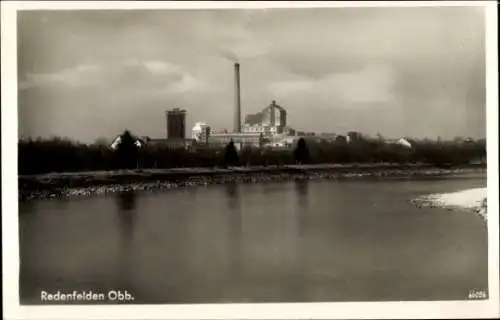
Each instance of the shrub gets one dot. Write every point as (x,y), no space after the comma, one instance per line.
(231,155)
(301,152)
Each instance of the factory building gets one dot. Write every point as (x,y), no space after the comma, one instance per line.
(240,140)
(170,143)
(270,121)
(248,135)
(258,129)
(176,124)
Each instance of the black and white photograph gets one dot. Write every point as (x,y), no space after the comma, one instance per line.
(251,155)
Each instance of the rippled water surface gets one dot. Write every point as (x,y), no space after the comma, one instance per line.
(295,241)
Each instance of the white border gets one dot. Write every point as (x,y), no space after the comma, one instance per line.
(358,310)
(92,5)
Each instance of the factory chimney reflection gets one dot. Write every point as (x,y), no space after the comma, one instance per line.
(235,229)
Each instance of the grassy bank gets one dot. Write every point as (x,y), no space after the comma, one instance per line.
(55,185)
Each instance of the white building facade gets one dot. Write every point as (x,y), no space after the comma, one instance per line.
(200,131)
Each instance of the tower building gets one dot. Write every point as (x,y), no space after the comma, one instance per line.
(176,123)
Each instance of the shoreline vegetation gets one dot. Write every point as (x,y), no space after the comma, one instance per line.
(63,155)
(84,184)
(60,168)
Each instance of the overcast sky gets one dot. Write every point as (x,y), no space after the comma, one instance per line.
(416,72)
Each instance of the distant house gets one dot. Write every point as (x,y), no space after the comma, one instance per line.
(464,140)
(401,142)
(341,139)
(328,136)
(277,145)
(118,139)
(290,142)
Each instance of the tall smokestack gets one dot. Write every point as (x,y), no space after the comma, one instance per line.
(237,111)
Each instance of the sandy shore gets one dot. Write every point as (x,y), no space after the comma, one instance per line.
(471,199)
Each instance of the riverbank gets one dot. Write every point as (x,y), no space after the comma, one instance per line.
(470,199)
(62,185)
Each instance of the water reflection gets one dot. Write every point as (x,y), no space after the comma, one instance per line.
(126,202)
(302,194)
(303,213)
(240,242)
(232,195)
(302,190)
(235,228)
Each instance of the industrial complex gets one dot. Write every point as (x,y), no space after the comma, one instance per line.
(267,128)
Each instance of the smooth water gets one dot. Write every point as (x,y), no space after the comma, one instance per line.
(348,240)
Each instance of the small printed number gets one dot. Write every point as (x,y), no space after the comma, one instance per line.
(477,294)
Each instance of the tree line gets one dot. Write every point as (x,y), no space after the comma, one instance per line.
(63,155)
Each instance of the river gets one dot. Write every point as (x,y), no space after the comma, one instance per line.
(351,240)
